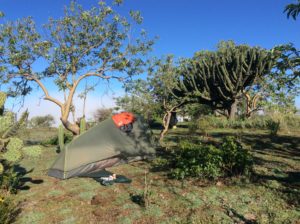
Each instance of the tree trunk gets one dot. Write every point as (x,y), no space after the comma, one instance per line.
(233,110)
(74,128)
(166,123)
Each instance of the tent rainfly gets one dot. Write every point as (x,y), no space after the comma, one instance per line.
(102,146)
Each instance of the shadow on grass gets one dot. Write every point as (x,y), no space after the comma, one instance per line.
(21,173)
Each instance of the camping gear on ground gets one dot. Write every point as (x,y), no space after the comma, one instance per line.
(124,121)
(110,180)
(102,146)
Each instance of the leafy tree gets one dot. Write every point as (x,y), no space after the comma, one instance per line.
(292,10)
(163,76)
(102,113)
(219,78)
(83,44)
(42,121)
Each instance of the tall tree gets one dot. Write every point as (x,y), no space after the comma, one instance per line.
(219,78)
(97,43)
(163,76)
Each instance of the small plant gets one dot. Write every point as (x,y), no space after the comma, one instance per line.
(193,126)
(144,198)
(204,125)
(61,137)
(8,210)
(82,125)
(9,179)
(273,126)
(32,151)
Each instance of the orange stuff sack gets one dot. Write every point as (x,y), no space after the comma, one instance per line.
(123,119)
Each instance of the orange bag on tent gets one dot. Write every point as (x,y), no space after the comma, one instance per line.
(123,119)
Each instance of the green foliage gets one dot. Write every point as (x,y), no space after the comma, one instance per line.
(82,125)
(8,210)
(2,99)
(55,141)
(203,124)
(6,121)
(13,153)
(273,126)
(193,127)
(218,78)
(292,10)
(207,161)
(32,151)
(236,159)
(289,122)
(9,179)
(14,144)
(103,113)
(41,121)
(12,130)
(82,44)
(196,160)
(61,137)
(1,168)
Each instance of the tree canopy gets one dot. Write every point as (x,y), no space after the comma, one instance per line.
(97,42)
(219,78)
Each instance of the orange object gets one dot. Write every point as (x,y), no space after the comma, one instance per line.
(123,118)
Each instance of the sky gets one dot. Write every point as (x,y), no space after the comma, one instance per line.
(183,27)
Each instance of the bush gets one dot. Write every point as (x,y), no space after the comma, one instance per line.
(8,210)
(102,114)
(236,159)
(273,126)
(208,161)
(42,121)
(54,140)
(9,179)
(196,160)
(32,151)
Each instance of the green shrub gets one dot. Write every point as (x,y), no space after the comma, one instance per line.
(273,126)
(204,125)
(236,159)
(196,160)
(32,151)
(192,126)
(8,210)
(255,122)
(9,179)
(208,161)
(54,140)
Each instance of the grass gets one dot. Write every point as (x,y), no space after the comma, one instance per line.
(271,196)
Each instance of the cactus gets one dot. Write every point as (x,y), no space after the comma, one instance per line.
(2,101)
(15,127)
(10,147)
(82,125)
(32,151)
(13,155)
(1,168)
(6,122)
(61,137)
(14,144)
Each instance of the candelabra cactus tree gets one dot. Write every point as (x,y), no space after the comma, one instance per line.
(219,78)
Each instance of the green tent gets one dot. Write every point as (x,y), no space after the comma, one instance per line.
(102,146)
